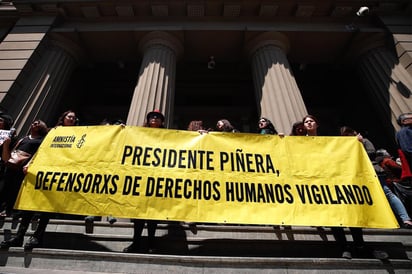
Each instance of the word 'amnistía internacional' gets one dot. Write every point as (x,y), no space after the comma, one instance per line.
(195,189)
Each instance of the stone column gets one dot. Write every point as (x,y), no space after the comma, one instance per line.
(43,89)
(387,81)
(156,83)
(277,94)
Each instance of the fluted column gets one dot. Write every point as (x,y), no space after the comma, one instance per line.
(388,83)
(46,84)
(278,96)
(156,83)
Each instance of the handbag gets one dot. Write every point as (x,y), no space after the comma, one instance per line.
(17,159)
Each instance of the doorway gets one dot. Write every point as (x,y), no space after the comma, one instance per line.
(212,94)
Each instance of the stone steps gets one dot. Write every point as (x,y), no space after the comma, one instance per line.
(218,248)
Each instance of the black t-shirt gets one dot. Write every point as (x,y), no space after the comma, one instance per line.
(29,145)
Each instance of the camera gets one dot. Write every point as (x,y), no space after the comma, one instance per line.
(362,11)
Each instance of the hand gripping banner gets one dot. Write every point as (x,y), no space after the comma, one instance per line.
(163,174)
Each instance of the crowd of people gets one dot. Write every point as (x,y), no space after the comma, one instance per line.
(393,174)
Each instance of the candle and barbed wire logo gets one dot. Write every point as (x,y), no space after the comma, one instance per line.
(82,140)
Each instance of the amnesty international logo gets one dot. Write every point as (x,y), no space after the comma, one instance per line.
(68,141)
(82,140)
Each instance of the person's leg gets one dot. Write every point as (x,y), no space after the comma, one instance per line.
(138,225)
(37,239)
(357,236)
(17,240)
(151,232)
(361,249)
(340,238)
(11,189)
(397,207)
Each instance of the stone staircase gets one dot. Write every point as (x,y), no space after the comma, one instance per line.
(211,248)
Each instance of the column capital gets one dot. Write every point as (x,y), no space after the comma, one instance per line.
(70,47)
(363,44)
(275,39)
(161,38)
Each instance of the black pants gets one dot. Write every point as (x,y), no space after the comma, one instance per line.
(340,238)
(26,218)
(12,183)
(138,225)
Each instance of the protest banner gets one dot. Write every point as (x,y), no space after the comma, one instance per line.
(3,135)
(176,175)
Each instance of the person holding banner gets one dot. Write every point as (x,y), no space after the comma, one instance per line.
(197,125)
(311,125)
(154,119)
(224,125)
(357,232)
(265,126)
(14,177)
(67,119)
(367,144)
(89,220)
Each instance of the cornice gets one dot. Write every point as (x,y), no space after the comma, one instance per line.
(198,9)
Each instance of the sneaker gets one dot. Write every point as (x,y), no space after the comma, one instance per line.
(380,254)
(407,224)
(368,252)
(133,248)
(347,255)
(32,243)
(12,242)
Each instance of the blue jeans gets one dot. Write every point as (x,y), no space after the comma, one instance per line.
(396,204)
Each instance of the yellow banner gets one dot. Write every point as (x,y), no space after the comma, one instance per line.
(137,172)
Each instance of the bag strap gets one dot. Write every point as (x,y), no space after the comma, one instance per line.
(18,143)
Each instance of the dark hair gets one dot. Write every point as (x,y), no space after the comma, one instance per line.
(150,114)
(8,120)
(347,131)
(295,127)
(195,125)
(155,113)
(227,126)
(269,129)
(117,122)
(312,117)
(43,129)
(402,117)
(105,121)
(60,121)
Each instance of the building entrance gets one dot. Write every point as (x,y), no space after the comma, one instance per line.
(212,94)
(334,95)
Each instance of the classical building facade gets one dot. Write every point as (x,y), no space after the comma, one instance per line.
(346,62)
